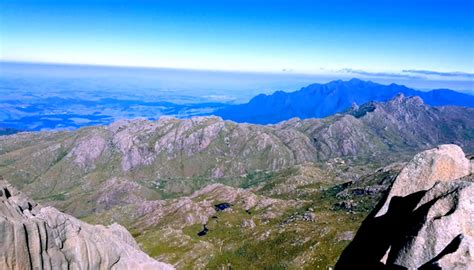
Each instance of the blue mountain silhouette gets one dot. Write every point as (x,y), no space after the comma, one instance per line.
(320,100)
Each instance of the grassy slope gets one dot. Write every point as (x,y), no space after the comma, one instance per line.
(272,244)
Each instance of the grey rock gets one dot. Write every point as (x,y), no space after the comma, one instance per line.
(248,223)
(426,219)
(36,237)
(444,163)
(446,238)
(345,236)
(86,152)
(306,216)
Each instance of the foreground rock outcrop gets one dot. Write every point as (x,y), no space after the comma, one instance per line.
(36,237)
(426,220)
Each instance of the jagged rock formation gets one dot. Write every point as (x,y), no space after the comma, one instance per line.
(403,124)
(36,237)
(426,220)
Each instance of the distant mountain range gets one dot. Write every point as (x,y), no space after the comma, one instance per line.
(25,107)
(7,131)
(321,100)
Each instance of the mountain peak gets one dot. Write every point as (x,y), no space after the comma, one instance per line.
(351,82)
(400,99)
(399,103)
(358,81)
(399,96)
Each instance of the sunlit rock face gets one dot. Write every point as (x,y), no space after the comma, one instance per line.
(36,237)
(444,163)
(426,219)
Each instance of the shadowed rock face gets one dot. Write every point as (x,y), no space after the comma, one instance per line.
(444,163)
(426,220)
(36,237)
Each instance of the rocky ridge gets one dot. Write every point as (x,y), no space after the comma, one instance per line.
(426,219)
(210,147)
(36,237)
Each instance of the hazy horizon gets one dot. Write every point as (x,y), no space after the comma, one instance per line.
(247,83)
(58,96)
(432,38)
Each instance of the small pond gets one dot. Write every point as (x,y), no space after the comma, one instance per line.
(204,231)
(222,206)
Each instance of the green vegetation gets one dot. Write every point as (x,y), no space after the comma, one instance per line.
(285,242)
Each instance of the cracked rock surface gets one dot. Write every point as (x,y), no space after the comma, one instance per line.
(426,220)
(36,237)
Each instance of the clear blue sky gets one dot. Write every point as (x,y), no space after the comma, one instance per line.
(302,36)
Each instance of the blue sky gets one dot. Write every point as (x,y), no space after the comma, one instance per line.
(377,36)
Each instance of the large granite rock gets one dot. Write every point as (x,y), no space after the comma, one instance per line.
(444,163)
(36,237)
(426,220)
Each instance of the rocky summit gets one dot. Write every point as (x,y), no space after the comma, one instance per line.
(37,237)
(425,221)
